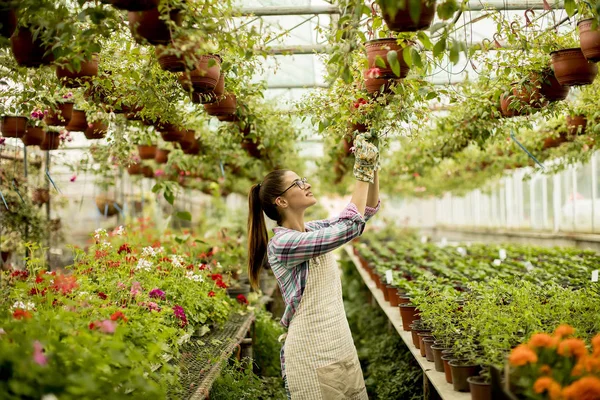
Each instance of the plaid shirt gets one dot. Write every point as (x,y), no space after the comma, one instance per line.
(289,252)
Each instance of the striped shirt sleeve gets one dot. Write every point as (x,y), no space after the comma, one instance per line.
(324,223)
(293,247)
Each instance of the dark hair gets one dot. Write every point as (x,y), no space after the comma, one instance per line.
(262,199)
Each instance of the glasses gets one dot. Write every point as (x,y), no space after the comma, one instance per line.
(301,183)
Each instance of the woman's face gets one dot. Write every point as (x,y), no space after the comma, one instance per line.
(295,196)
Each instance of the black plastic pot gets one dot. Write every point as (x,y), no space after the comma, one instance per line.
(461,370)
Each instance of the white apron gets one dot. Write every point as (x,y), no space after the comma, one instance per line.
(320,358)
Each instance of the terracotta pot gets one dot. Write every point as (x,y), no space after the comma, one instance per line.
(380,48)
(377,86)
(437,357)
(107,206)
(386,294)
(194,149)
(227,106)
(428,342)
(447,370)
(87,70)
(13,127)
(147,26)
(251,148)
(132,112)
(33,136)
(61,116)
(480,389)
(27,52)
(422,336)
(134,169)
(392,295)
(8,20)
(461,370)
(171,133)
(526,97)
(96,130)
(147,171)
(162,156)
(572,68)
(228,118)
(147,152)
(210,97)
(409,314)
(402,22)
(206,75)
(188,139)
(550,88)
(40,196)
(552,141)
(78,122)
(589,39)
(576,124)
(403,299)
(171,58)
(51,141)
(134,5)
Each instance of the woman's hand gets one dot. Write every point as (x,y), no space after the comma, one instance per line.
(366,157)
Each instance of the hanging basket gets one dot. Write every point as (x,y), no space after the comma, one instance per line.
(162,156)
(377,86)
(171,133)
(8,20)
(74,79)
(134,169)
(147,171)
(188,139)
(226,106)
(204,78)
(27,52)
(576,124)
(527,97)
(572,68)
(380,48)
(147,152)
(96,130)
(402,22)
(173,59)
(34,136)
(550,88)
(251,148)
(210,97)
(134,5)
(132,113)
(51,141)
(147,26)
(40,196)
(61,116)
(78,122)
(13,127)
(107,206)
(589,39)
(194,149)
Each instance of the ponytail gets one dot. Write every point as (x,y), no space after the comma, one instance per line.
(257,236)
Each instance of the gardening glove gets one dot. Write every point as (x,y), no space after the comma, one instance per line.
(366,157)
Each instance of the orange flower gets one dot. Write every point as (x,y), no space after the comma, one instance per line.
(545,370)
(580,368)
(587,388)
(118,315)
(572,347)
(564,330)
(19,313)
(592,364)
(547,384)
(522,355)
(596,345)
(542,340)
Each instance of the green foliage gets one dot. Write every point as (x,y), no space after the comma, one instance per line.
(267,347)
(238,382)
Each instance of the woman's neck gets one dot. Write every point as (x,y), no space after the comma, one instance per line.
(295,222)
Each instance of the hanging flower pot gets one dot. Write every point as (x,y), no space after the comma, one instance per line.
(69,76)
(5,256)
(210,97)
(61,116)
(132,113)
(553,141)
(401,21)
(550,88)
(589,39)
(40,196)
(358,127)
(204,77)
(226,106)
(576,124)
(8,20)
(188,139)
(171,132)
(178,56)
(29,52)
(194,149)
(147,152)
(378,49)
(96,130)
(147,171)
(147,26)
(526,96)
(251,147)
(134,5)
(572,68)
(228,118)
(461,370)
(14,127)
(376,85)
(134,169)
(34,136)
(78,122)
(51,141)
(162,156)
(107,206)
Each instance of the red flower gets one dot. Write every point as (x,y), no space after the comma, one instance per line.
(211,294)
(102,296)
(35,291)
(221,284)
(131,259)
(165,259)
(118,315)
(20,274)
(65,283)
(191,267)
(20,314)
(202,267)
(359,102)
(242,299)
(216,277)
(39,279)
(113,264)
(101,254)
(124,249)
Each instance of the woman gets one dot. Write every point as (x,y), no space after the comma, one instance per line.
(320,360)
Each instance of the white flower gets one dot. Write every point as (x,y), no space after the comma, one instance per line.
(196,278)
(23,306)
(497,262)
(82,293)
(144,264)
(177,261)
(151,251)
(120,230)
(105,245)
(98,233)
(219,267)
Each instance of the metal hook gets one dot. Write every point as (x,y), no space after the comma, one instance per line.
(496,42)
(528,21)
(370,31)
(514,27)
(373,11)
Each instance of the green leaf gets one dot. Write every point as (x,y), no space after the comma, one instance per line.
(446,9)
(169,196)
(416,57)
(454,53)
(425,40)
(436,27)
(407,56)
(379,61)
(347,74)
(439,47)
(184,215)
(414,10)
(570,7)
(392,57)
(156,188)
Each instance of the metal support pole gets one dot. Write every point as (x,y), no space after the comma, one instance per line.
(594,190)
(556,202)
(574,195)
(48,208)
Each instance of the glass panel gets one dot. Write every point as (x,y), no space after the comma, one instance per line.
(537,220)
(583,199)
(567,205)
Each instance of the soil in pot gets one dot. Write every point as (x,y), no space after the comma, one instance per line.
(51,141)
(134,5)
(571,68)
(96,130)
(147,26)
(162,156)
(13,127)
(480,389)
(147,152)
(576,124)
(589,39)
(34,136)
(401,21)
(227,106)
(70,77)
(428,342)
(206,75)
(437,357)
(61,116)
(8,20)
(379,48)
(78,122)
(461,370)
(27,52)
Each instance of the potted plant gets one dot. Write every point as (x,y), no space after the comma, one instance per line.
(154,25)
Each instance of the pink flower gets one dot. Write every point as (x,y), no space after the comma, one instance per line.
(107,326)
(373,73)
(135,288)
(90,125)
(38,354)
(2,140)
(159,173)
(121,285)
(157,294)
(152,306)
(73,178)
(68,95)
